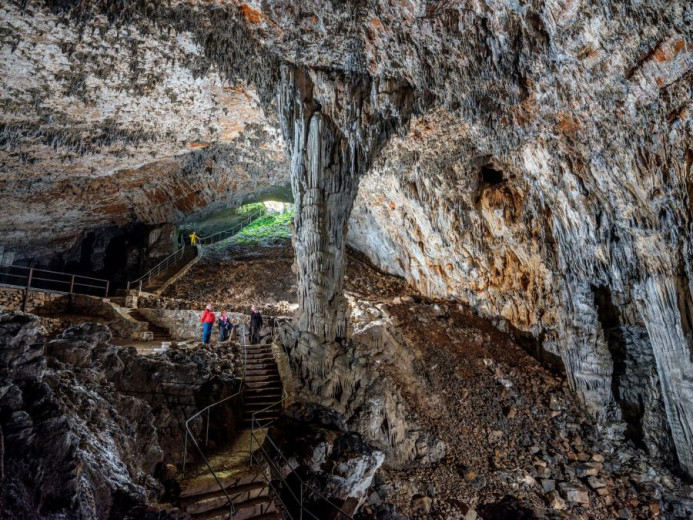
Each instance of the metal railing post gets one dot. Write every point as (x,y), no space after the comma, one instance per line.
(108,285)
(140,290)
(301,504)
(207,433)
(252,434)
(28,286)
(127,290)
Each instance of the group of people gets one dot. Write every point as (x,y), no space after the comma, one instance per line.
(226,326)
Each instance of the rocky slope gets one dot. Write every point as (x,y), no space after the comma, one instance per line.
(84,425)
(532,159)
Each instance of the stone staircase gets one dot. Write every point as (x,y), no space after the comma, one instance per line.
(201,497)
(163,278)
(160,333)
(263,386)
(248,492)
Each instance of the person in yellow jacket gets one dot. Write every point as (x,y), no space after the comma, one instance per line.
(193,238)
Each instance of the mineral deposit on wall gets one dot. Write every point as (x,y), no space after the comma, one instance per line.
(544,176)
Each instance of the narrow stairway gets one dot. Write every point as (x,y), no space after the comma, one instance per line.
(249,493)
(263,386)
(201,497)
(160,333)
(160,279)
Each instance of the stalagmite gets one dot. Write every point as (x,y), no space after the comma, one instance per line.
(333,127)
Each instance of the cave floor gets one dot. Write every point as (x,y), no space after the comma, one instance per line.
(513,429)
(518,444)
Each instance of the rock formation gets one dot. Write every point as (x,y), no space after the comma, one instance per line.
(532,160)
(313,443)
(84,424)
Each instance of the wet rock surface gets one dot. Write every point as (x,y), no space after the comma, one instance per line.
(85,423)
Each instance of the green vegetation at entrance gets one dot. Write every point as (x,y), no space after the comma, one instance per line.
(251,208)
(268,227)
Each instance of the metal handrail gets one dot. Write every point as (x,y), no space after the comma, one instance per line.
(188,431)
(45,275)
(165,263)
(303,485)
(207,240)
(217,237)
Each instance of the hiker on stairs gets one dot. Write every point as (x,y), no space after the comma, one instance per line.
(255,325)
(207,320)
(224,323)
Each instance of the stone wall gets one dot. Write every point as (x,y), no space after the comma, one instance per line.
(184,324)
(38,302)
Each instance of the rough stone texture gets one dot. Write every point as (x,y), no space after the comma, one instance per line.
(333,461)
(550,158)
(85,423)
(116,124)
(11,299)
(333,127)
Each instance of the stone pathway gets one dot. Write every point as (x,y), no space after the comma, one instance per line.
(202,498)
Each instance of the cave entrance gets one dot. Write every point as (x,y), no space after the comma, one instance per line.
(274,214)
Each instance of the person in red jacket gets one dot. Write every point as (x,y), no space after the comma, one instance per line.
(207,320)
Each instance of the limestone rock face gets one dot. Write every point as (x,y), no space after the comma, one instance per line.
(105,124)
(84,423)
(350,379)
(332,461)
(546,177)
(333,127)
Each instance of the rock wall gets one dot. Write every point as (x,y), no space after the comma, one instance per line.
(11,299)
(577,182)
(119,123)
(84,423)
(367,380)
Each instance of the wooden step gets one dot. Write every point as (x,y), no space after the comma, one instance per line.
(261,371)
(261,376)
(269,408)
(262,401)
(273,396)
(210,485)
(269,516)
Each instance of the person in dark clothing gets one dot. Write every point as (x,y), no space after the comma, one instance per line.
(255,325)
(224,323)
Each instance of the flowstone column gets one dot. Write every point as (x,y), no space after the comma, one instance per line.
(332,126)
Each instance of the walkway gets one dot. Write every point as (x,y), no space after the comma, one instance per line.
(202,499)
(201,496)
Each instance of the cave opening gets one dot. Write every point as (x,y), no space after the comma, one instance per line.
(628,398)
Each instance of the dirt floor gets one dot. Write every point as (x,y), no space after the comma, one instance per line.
(518,444)
(236,276)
